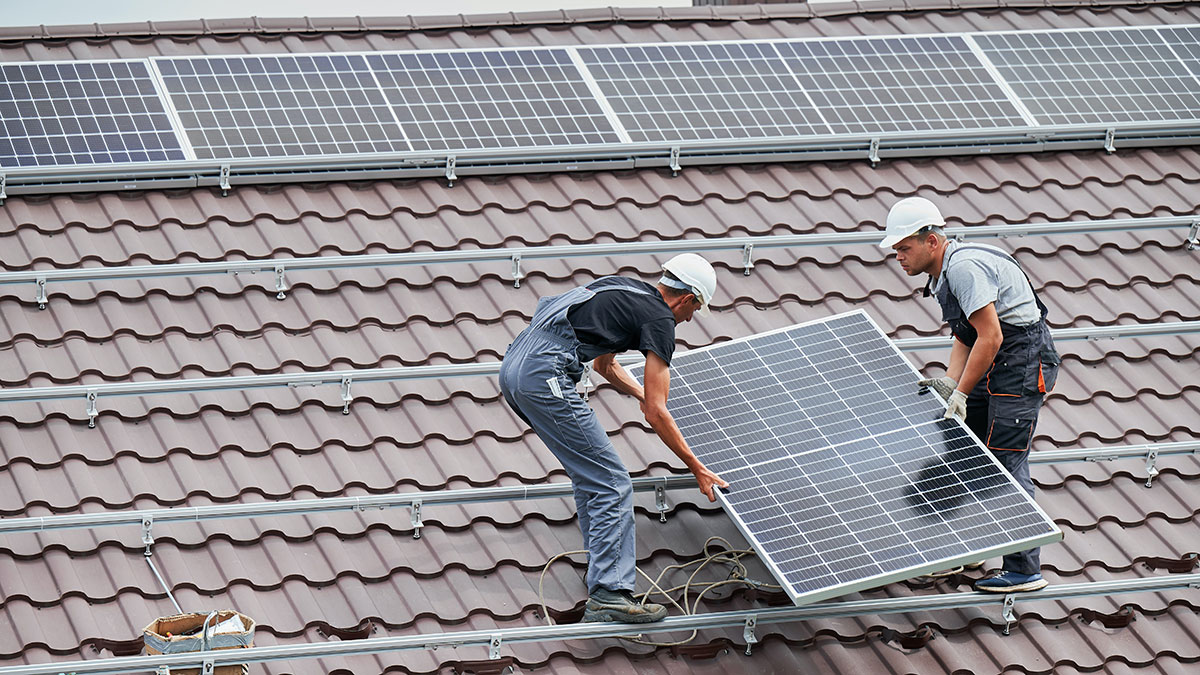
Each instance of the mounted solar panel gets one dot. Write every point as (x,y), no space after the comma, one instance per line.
(92,112)
(690,92)
(280,106)
(842,476)
(899,84)
(515,98)
(1094,76)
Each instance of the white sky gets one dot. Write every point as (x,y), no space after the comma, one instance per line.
(59,12)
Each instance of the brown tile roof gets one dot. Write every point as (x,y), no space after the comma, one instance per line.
(86,594)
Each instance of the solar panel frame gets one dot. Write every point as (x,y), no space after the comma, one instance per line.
(1094,75)
(930,475)
(84,113)
(279,106)
(539,95)
(717,76)
(940,83)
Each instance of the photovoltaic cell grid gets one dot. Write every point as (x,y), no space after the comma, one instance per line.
(702,92)
(1083,77)
(1186,43)
(492,99)
(841,475)
(280,106)
(899,84)
(95,112)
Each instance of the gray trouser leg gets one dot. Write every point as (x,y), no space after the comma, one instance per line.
(603,490)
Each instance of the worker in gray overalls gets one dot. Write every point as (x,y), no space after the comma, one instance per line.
(1002,362)
(538,378)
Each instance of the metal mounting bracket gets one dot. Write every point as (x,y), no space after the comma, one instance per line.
(1151,467)
(346,398)
(208,667)
(1110,137)
(674,161)
(494,647)
(517,274)
(281,284)
(3,188)
(660,500)
(162,670)
(417,524)
(747,259)
(1193,238)
(873,152)
(147,535)
(224,182)
(1008,614)
(92,413)
(41,293)
(748,632)
(451,174)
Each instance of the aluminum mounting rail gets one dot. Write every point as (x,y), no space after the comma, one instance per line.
(495,640)
(416,501)
(874,147)
(91,392)
(515,256)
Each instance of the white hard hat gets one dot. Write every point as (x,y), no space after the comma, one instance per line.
(697,273)
(907,217)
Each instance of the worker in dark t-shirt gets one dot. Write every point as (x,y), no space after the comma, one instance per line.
(538,378)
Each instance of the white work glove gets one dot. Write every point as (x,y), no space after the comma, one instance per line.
(944,386)
(956,406)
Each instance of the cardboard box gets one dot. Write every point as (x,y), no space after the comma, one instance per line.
(181,634)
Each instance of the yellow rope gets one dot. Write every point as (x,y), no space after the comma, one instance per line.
(736,575)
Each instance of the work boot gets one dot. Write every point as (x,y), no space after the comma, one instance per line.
(606,605)
(1011,582)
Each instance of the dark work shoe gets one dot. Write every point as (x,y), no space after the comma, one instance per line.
(606,605)
(1011,582)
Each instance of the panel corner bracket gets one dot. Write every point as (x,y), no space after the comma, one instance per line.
(660,499)
(1008,613)
(1151,466)
(748,632)
(417,523)
(494,646)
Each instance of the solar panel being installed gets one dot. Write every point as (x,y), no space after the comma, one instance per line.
(692,92)
(841,475)
(870,85)
(280,106)
(515,98)
(1101,76)
(94,112)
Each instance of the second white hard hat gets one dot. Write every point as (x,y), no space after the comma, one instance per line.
(698,274)
(907,217)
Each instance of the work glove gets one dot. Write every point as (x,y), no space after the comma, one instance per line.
(944,386)
(956,406)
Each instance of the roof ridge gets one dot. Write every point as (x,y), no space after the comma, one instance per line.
(360,24)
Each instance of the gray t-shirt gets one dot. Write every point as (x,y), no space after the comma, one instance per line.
(977,278)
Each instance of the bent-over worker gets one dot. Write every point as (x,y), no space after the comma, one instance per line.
(538,376)
(1002,362)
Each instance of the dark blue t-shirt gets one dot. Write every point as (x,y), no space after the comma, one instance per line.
(618,320)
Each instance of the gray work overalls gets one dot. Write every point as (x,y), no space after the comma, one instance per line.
(538,377)
(1002,409)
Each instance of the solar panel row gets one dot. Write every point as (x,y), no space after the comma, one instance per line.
(342,104)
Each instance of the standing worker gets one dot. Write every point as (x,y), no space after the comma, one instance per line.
(1002,362)
(538,377)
